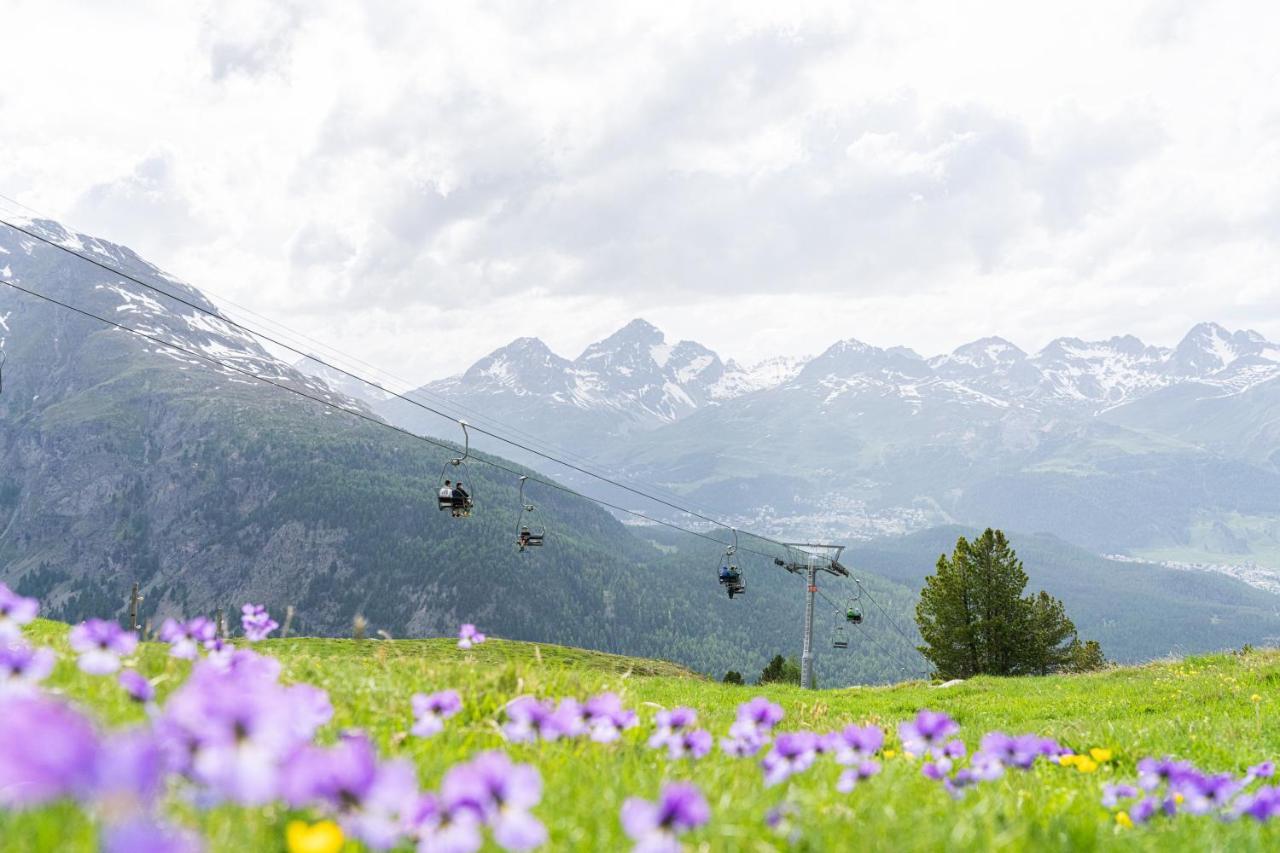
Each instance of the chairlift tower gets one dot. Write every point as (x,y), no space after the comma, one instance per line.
(809,558)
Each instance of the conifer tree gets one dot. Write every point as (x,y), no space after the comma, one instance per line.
(974,620)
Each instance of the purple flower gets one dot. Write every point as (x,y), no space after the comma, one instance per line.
(1113,794)
(570,718)
(1262,805)
(374,800)
(1203,794)
(435,830)
(606,718)
(186,638)
(849,779)
(47,751)
(1020,752)
(957,784)
(143,835)
(529,719)
(430,711)
(231,726)
(745,740)
(689,743)
(137,686)
(22,667)
(101,644)
(499,794)
(954,749)
(129,773)
(669,722)
(925,734)
(1143,810)
(760,712)
(468,636)
(15,611)
(986,766)
(858,743)
(256,622)
(1265,770)
(936,770)
(655,826)
(1152,772)
(793,752)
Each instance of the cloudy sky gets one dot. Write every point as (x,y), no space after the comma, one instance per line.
(418,183)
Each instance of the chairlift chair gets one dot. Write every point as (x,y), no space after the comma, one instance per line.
(525,536)
(730,575)
(853,611)
(840,640)
(459,506)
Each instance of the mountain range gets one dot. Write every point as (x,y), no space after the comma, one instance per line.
(1116,445)
(123,460)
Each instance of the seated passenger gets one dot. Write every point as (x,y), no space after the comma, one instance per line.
(446,491)
(460,495)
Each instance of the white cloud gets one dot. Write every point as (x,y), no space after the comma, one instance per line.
(761,177)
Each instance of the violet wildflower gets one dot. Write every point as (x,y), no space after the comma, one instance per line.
(1265,770)
(745,740)
(136,685)
(499,794)
(311,709)
(256,622)
(606,718)
(15,611)
(656,826)
(957,784)
(792,752)
(185,639)
(986,766)
(1113,794)
(529,719)
(433,829)
(1020,752)
(101,644)
(1262,805)
(468,636)
(570,718)
(231,727)
(1143,810)
(129,771)
(760,712)
(936,770)
(374,800)
(689,743)
(858,743)
(927,732)
(1152,772)
(430,711)
(143,835)
(850,779)
(47,751)
(1205,794)
(669,722)
(22,667)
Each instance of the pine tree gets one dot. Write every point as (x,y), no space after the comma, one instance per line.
(974,620)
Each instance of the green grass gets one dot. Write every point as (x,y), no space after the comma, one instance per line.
(1199,709)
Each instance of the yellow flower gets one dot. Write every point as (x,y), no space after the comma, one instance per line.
(1069,760)
(890,753)
(1102,756)
(322,837)
(1255,698)
(1085,764)
(1123,819)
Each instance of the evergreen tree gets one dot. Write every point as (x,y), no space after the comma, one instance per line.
(733,677)
(974,620)
(1087,656)
(780,669)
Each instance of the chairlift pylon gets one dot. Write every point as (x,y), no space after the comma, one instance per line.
(4,356)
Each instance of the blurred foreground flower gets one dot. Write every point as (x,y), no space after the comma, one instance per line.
(101,644)
(322,837)
(468,636)
(256,622)
(15,611)
(655,827)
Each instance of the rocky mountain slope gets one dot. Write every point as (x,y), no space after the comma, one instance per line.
(1113,444)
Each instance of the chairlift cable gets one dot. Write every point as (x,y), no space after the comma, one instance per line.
(221,317)
(362,416)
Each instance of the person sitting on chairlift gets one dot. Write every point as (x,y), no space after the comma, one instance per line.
(446,491)
(460,498)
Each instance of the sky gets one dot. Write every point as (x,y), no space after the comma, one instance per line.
(416,184)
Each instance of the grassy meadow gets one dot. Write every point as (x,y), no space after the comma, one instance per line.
(1218,711)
